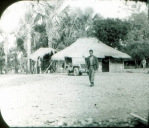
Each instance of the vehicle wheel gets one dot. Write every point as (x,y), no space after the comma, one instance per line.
(80,73)
(68,72)
(87,73)
(76,71)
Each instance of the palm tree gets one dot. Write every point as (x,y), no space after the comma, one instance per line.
(62,25)
(145,1)
(27,23)
(79,24)
(5,45)
(52,13)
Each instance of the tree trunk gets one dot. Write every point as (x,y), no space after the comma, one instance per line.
(148,8)
(28,51)
(16,70)
(6,52)
(0,70)
(50,43)
(6,66)
(21,64)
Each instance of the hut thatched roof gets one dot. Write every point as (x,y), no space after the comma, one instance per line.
(81,48)
(42,52)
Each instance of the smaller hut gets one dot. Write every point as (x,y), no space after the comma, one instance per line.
(40,59)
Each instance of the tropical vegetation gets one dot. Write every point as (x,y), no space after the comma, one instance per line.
(47,24)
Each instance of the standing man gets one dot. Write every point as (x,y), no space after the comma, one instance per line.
(92,65)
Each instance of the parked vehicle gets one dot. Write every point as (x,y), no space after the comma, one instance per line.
(75,65)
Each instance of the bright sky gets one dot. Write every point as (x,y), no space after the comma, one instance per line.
(107,8)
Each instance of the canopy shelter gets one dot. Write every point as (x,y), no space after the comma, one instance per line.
(40,59)
(81,48)
(42,52)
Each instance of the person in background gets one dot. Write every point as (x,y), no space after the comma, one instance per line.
(143,62)
(63,65)
(39,65)
(92,66)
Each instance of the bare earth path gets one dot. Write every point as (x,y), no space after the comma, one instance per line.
(39,100)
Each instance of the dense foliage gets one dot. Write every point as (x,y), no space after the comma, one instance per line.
(40,37)
(137,42)
(44,25)
(111,31)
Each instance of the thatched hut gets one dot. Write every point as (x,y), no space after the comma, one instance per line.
(41,58)
(110,59)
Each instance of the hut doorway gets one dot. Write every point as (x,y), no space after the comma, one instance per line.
(105,65)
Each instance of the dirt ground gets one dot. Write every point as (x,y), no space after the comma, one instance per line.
(57,99)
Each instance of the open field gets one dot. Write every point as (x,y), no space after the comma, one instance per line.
(51,99)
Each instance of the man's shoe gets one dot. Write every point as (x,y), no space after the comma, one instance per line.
(91,85)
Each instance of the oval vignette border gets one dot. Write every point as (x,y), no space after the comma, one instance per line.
(3,6)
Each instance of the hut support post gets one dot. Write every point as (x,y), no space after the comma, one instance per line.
(59,65)
(36,67)
(40,69)
(31,67)
(48,67)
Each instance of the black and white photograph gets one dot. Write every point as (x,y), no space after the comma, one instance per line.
(74,63)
